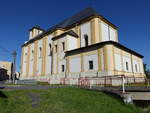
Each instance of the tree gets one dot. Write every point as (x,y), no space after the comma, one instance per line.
(146,70)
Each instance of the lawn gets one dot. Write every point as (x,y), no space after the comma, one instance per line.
(62,100)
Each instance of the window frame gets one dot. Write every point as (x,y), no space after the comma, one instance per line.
(91,65)
(62,68)
(127,66)
(56,47)
(63,46)
(86,40)
(50,48)
(40,50)
(32,51)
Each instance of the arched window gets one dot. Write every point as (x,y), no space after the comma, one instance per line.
(136,68)
(91,65)
(25,57)
(32,55)
(86,40)
(50,46)
(40,55)
(127,67)
(63,68)
(63,45)
(55,48)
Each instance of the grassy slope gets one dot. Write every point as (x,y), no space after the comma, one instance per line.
(63,100)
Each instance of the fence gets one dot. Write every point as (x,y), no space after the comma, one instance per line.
(112,80)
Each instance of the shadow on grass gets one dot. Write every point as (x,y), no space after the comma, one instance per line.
(142,103)
(114,95)
(2,95)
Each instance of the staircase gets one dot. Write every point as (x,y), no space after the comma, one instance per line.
(26,81)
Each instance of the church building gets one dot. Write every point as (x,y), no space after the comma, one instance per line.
(85,45)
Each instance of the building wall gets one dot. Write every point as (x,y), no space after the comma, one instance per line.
(107,32)
(85,30)
(72,43)
(75,61)
(124,57)
(39,57)
(34,32)
(24,62)
(31,60)
(48,55)
(107,61)
(6,65)
(90,57)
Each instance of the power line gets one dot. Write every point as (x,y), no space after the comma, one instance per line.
(4,49)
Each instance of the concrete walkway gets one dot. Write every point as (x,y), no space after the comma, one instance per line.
(131,92)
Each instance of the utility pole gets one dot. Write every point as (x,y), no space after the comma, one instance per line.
(14,54)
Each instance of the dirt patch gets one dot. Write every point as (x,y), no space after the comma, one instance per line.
(35,99)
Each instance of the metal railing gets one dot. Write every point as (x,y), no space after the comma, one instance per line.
(113,80)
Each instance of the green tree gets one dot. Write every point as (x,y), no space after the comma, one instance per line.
(146,70)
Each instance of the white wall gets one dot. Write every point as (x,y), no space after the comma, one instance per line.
(102,59)
(24,66)
(39,59)
(118,64)
(63,62)
(93,58)
(72,43)
(55,58)
(85,29)
(141,67)
(127,59)
(48,56)
(30,35)
(61,52)
(135,62)
(108,33)
(75,64)
(31,60)
(112,34)
(105,32)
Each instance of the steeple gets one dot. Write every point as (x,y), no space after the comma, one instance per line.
(35,31)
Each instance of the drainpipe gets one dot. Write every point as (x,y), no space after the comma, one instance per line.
(123,84)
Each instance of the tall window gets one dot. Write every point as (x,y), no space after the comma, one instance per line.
(63,45)
(25,57)
(50,49)
(63,68)
(91,65)
(55,48)
(127,67)
(136,68)
(86,40)
(40,55)
(32,54)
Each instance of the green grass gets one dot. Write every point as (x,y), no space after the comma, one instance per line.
(62,100)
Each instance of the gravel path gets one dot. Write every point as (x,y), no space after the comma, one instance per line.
(35,99)
(28,87)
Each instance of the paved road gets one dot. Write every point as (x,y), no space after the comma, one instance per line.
(29,87)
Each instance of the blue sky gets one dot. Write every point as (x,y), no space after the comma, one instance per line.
(17,16)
